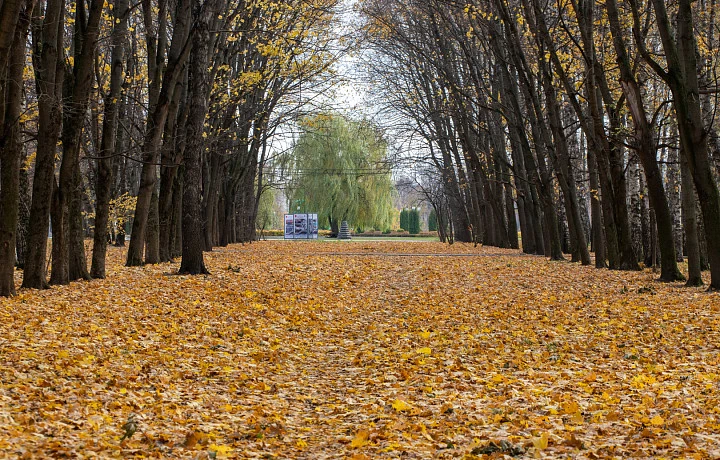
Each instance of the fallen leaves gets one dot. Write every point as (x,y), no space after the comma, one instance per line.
(541,443)
(360,439)
(427,351)
(327,350)
(401,406)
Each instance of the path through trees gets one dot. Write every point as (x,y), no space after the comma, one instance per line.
(303,349)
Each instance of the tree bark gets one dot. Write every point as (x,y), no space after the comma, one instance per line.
(152,237)
(596,213)
(171,158)
(682,78)
(21,241)
(108,144)
(192,225)
(563,172)
(69,194)
(11,82)
(690,224)
(647,150)
(49,67)
(179,50)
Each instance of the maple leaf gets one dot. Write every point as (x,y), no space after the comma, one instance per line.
(400,405)
(657,420)
(424,351)
(360,439)
(541,442)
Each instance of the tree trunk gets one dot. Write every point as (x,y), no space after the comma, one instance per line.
(673,181)
(179,50)
(152,237)
(77,261)
(647,150)
(563,171)
(682,78)
(21,242)
(176,240)
(49,65)
(103,185)
(192,225)
(59,252)
(635,205)
(171,158)
(11,82)
(68,218)
(689,212)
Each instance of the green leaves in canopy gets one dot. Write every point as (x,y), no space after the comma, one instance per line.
(339,169)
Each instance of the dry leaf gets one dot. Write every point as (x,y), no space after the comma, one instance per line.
(360,439)
(400,405)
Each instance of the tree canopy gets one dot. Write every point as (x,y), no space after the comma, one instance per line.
(338,167)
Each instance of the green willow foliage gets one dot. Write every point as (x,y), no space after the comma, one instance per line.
(339,169)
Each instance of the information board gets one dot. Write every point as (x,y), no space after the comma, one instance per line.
(289,226)
(301,226)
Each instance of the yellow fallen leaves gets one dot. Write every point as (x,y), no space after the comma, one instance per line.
(360,439)
(425,351)
(301,350)
(541,442)
(401,406)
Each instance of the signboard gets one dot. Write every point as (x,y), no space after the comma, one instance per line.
(301,232)
(301,226)
(313,226)
(289,226)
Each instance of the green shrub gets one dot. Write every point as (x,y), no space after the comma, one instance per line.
(432,221)
(413,221)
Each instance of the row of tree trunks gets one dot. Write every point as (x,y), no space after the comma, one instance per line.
(163,81)
(68,262)
(646,149)
(13,36)
(108,143)
(49,70)
(682,78)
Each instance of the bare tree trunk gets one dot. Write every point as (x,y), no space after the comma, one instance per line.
(179,50)
(177,237)
(9,20)
(607,155)
(77,261)
(673,181)
(68,218)
(11,82)
(647,150)
(689,212)
(192,226)
(152,237)
(49,66)
(103,185)
(21,242)
(563,171)
(58,256)
(171,158)
(635,206)
(682,77)
(599,243)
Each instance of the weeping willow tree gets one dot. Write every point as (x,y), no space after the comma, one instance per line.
(339,169)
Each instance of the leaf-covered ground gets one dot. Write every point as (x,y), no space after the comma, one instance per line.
(362,350)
